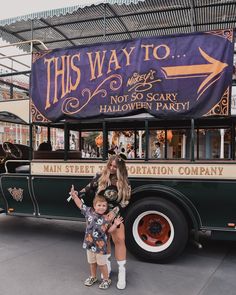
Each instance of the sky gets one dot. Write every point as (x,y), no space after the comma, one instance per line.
(13,8)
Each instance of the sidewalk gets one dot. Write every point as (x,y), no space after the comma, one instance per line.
(40,256)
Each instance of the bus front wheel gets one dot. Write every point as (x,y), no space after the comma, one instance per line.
(156,230)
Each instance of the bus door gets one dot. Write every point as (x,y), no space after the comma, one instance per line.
(51,193)
(17,194)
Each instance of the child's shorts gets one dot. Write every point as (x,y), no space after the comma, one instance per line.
(92,257)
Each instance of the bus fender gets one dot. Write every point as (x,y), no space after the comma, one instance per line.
(157,222)
(172,195)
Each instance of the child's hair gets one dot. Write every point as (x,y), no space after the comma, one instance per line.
(99,198)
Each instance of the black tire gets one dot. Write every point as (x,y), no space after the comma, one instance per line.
(156,230)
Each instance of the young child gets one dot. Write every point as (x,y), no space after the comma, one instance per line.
(95,241)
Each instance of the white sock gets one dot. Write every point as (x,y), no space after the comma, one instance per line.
(108,262)
(121,284)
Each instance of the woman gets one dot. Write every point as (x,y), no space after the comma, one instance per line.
(113,184)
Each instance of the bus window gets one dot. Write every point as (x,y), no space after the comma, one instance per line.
(130,143)
(43,134)
(40,136)
(140,151)
(178,143)
(169,143)
(213,144)
(74,142)
(91,144)
(57,138)
(14,133)
(156,144)
(122,142)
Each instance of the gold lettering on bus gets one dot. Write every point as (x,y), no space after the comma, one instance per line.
(80,169)
(52,168)
(139,170)
(202,171)
(150,170)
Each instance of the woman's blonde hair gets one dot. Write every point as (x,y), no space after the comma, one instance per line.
(123,186)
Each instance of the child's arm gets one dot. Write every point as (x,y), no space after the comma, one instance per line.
(117,221)
(74,196)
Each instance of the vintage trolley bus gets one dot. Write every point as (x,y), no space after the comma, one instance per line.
(164,102)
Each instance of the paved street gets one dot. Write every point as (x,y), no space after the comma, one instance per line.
(46,257)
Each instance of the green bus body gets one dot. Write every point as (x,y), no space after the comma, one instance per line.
(201,200)
(193,202)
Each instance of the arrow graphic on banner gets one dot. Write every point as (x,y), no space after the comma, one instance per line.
(211,70)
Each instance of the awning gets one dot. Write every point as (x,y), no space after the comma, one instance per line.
(62,11)
(118,20)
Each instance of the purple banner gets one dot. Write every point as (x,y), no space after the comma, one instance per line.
(172,76)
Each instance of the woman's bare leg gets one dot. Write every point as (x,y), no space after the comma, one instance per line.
(118,237)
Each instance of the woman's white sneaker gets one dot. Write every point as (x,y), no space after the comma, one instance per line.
(121,284)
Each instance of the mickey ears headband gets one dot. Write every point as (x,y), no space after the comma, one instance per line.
(121,157)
